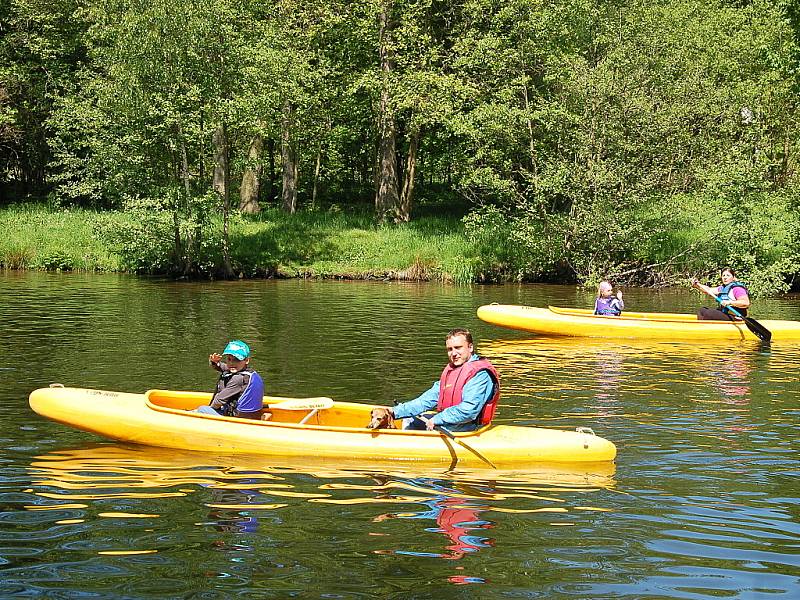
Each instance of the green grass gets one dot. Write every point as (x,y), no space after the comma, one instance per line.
(307,244)
(36,237)
(329,245)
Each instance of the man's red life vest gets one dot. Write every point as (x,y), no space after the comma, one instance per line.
(453,380)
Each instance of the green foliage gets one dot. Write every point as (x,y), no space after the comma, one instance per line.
(141,237)
(151,237)
(323,244)
(631,107)
(40,49)
(319,244)
(639,141)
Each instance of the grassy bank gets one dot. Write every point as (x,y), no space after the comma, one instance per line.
(655,249)
(36,237)
(272,243)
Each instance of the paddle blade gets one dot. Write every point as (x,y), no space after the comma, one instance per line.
(304,404)
(761,332)
(764,334)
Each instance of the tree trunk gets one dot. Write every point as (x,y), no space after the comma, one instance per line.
(531,139)
(185,177)
(222,179)
(288,162)
(251,180)
(191,243)
(386,197)
(192,240)
(201,168)
(407,195)
(220,160)
(317,168)
(269,193)
(176,231)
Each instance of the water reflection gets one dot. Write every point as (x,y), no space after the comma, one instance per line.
(546,367)
(455,516)
(241,494)
(731,377)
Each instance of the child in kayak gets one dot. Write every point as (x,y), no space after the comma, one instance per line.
(607,303)
(240,390)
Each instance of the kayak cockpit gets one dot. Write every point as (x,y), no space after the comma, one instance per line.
(278,410)
(636,316)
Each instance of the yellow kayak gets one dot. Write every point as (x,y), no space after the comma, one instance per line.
(651,326)
(163,418)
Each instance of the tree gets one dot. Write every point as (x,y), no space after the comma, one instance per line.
(162,79)
(386,196)
(40,48)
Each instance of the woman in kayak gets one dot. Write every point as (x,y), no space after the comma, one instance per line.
(607,303)
(731,293)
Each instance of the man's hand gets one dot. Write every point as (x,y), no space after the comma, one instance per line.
(429,425)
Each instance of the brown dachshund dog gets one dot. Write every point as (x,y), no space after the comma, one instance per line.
(380,418)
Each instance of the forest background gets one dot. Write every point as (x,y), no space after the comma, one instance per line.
(479,140)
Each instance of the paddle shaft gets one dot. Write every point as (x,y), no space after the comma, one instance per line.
(320,403)
(449,434)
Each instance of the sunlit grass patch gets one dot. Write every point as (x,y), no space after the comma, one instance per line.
(36,237)
(322,245)
(306,244)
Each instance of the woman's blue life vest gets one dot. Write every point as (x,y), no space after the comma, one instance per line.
(608,306)
(250,400)
(725,294)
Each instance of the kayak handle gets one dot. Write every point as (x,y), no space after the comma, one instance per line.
(585,430)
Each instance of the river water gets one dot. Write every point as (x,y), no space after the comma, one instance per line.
(702,502)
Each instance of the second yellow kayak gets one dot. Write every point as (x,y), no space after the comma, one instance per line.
(651,326)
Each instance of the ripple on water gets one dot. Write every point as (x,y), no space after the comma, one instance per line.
(701,504)
(402,513)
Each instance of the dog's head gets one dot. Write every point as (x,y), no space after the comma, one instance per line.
(380,418)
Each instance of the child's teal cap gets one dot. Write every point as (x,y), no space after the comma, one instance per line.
(237,349)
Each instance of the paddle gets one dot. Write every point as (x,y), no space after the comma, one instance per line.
(754,326)
(449,434)
(764,334)
(320,403)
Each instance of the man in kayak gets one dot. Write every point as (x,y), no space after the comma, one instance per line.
(730,293)
(607,303)
(240,390)
(465,397)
